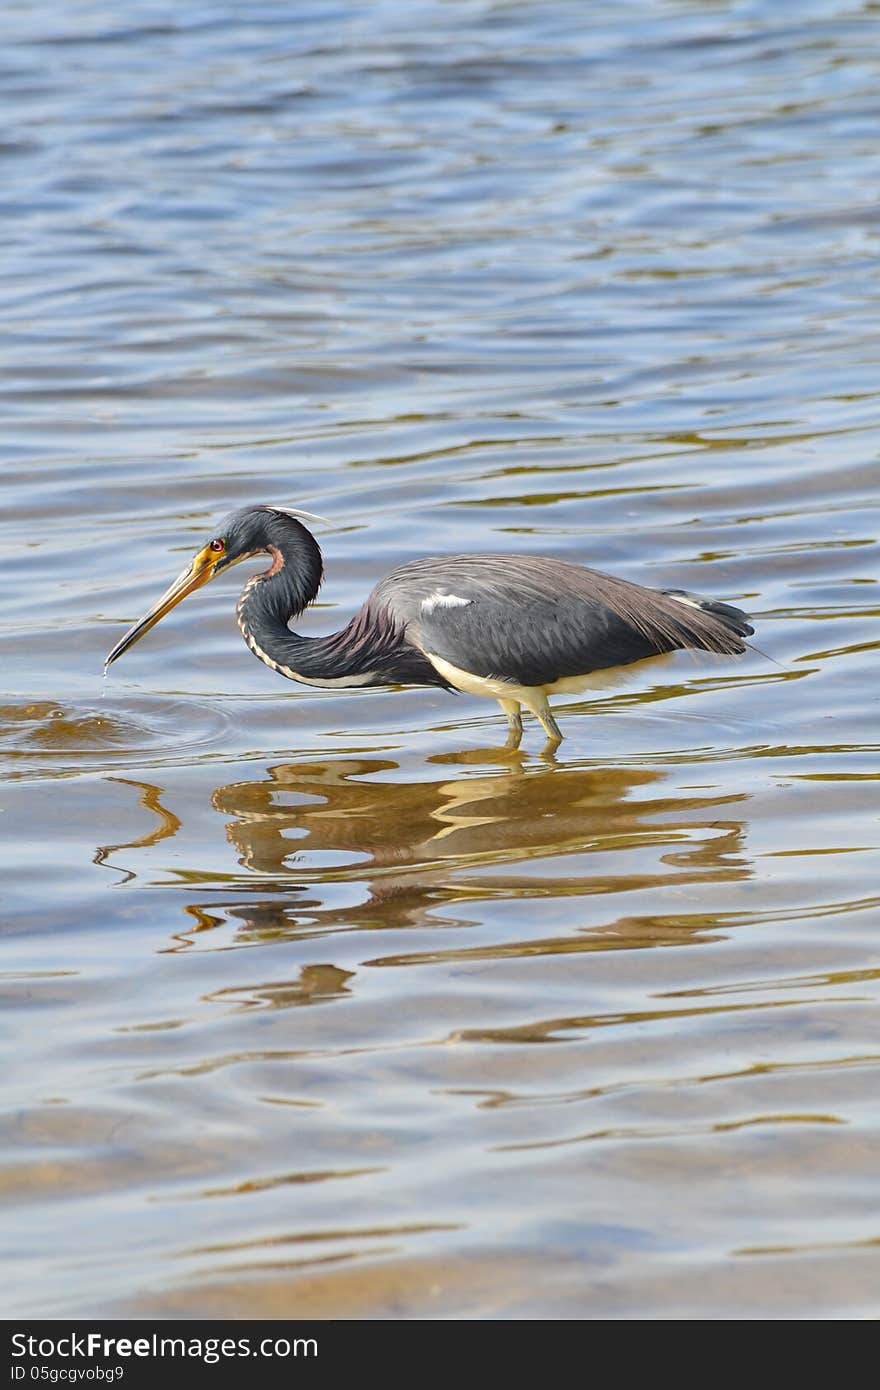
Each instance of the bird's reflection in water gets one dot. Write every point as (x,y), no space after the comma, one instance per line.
(315,984)
(348,845)
(166,827)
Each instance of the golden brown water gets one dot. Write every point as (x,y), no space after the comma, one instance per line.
(322,1004)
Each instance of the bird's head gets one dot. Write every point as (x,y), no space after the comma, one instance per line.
(243,533)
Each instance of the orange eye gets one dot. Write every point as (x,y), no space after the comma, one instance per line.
(218,545)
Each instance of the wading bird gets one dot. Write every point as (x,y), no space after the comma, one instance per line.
(515,628)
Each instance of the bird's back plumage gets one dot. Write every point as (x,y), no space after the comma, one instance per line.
(532,620)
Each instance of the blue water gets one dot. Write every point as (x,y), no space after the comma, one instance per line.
(319,1002)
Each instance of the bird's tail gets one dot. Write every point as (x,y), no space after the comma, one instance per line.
(734,619)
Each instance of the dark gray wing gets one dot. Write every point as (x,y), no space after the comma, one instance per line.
(532,620)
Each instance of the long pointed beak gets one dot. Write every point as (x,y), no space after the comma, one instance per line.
(197,573)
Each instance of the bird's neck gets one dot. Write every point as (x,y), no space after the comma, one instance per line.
(269,601)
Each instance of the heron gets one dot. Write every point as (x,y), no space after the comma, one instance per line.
(514,628)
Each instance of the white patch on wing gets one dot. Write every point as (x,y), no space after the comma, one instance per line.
(440,600)
(681,598)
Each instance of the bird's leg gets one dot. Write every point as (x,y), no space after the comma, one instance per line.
(514,723)
(541,710)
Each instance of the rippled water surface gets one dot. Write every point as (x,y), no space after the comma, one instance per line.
(320,1003)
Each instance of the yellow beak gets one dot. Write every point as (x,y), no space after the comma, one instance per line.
(197,573)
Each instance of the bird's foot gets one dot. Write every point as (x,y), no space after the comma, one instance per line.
(550,727)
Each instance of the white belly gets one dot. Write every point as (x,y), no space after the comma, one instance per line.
(481,685)
(528,695)
(601,680)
